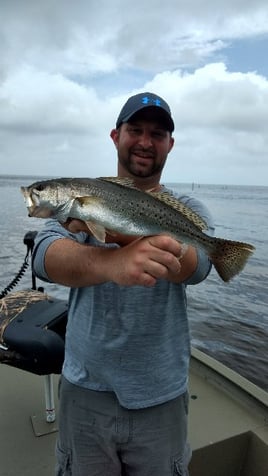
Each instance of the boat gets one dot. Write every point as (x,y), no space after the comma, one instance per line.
(228,415)
(228,421)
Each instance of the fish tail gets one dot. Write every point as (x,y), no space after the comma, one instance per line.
(229,257)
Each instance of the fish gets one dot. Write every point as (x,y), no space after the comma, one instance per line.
(115,205)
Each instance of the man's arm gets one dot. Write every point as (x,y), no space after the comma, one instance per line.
(140,262)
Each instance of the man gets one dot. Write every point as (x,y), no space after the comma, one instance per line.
(123,395)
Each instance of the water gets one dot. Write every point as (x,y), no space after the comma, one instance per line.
(228,321)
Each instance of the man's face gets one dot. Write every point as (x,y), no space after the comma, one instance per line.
(142,147)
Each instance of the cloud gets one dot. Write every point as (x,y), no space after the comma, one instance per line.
(66,72)
(97,37)
(33,100)
(220,118)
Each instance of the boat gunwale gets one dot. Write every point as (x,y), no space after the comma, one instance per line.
(237,380)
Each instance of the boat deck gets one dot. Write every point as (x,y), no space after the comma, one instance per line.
(220,421)
(22,401)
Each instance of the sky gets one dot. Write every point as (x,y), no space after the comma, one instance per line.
(66,69)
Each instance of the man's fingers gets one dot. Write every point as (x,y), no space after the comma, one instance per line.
(167,243)
(75,226)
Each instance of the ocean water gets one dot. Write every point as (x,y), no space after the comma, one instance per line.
(228,321)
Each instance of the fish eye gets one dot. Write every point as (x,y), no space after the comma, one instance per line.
(40,187)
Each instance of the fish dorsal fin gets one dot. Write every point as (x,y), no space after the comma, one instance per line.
(124,181)
(180,207)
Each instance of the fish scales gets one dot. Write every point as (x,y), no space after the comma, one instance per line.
(115,205)
(132,212)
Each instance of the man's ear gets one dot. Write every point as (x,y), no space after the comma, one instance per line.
(171,143)
(114,134)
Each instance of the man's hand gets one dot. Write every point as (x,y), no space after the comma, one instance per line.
(145,260)
(75,226)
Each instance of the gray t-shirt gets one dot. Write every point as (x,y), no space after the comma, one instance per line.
(133,341)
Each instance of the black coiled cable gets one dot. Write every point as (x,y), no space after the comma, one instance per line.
(29,241)
(17,278)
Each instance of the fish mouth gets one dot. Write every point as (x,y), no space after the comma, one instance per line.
(33,206)
(28,199)
(38,212)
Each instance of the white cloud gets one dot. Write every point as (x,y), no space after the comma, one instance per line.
(37,100)
(94,37)
(65,72)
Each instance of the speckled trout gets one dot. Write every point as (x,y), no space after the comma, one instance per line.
(114,205)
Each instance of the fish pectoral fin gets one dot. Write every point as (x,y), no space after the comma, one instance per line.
(98,231)
(112,232)
(180,207)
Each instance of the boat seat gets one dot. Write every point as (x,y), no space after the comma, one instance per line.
(32,336)
(32,331)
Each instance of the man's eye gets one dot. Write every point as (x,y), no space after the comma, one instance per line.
(134,130)
(159,134)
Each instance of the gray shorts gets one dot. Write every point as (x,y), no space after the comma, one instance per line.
(98,437)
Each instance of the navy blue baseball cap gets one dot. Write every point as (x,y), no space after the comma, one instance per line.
(139,102)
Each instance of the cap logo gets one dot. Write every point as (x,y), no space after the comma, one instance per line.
(155,102)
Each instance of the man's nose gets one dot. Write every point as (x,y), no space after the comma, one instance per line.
(145,140)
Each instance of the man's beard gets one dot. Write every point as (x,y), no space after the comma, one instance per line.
(137,170)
